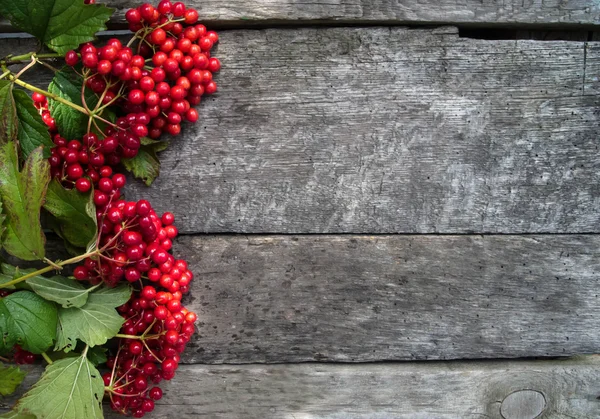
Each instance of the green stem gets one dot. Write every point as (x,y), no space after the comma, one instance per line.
(142,337)
(47,358)
(48,269)
(48,94)
(6,73)
(17,59)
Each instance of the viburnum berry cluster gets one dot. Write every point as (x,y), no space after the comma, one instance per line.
(104,112)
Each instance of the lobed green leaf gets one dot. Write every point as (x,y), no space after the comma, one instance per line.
(145,165)
(64,291)
(74,212)
(68,388)
(32,132)
(71,123)
(22,194)
(95,322)
(28,320)
(60,24)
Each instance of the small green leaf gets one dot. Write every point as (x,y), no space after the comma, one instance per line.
(28,320)
(75,214)
(70,122)
(95,322)
(60,24)
(8,113)
(22,194)
(64,291)
(32,131)
(10,379)
(145,165)
(69,388)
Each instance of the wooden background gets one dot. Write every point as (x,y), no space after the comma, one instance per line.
(379,182)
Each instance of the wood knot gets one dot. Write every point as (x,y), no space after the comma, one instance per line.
(523,404)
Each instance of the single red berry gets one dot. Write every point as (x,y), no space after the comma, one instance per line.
(81,273)
(136,97)
(168,218)
(191,16)
(133,16)
(158,36)
(191,115)
(74,171)
(83,184)
(155,393)
(71,58)
(214,64)
(164,7)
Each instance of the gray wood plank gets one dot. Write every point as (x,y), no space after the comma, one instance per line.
(385,130)
(511,12)
(390,131)
(374,298)
(449,390)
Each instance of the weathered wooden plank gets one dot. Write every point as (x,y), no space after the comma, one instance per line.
(389,131)
(373,298)
(511,12)
(495,390)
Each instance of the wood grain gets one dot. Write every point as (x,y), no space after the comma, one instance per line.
(390,131)
(444,390)
(475,12)
(385,130)
(374,298)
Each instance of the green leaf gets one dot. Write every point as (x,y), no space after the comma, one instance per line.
(74,212)
(69,388)
(32,131)
(70,122)
(16,415)
(64,291)
(10,379)
(145,165)
(2,228)
(97,355)
(28,320)
(9,272)
(22,194)
(95,322)
(60,24)
(8,113)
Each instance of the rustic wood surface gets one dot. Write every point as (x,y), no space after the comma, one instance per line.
(462,390)
(385,130)
(372,298)
(475,12)
(390,131)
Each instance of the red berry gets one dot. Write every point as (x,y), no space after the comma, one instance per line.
(81,273)
(133,16)
(158,36)
(71,58)
(74,171)
(214,64)
(191,16)
(136,97)
(83,185)
(191,115)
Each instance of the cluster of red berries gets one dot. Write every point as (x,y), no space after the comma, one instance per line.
(153,89)
(157,80)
